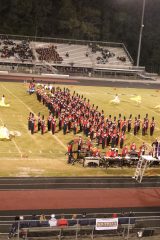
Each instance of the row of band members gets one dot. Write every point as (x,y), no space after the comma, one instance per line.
(112,152)
(67,125)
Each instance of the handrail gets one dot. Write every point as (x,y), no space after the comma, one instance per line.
(128,54)
(60,40)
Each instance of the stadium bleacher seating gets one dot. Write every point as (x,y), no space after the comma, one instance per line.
(65,54)
(15,50)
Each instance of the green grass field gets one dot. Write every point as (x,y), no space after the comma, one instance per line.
(37,155)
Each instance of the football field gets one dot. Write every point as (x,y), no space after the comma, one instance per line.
(44,155)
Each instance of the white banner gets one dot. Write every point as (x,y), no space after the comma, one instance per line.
(106,223)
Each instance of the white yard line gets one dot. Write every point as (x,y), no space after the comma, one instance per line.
(60,142)
(30,110)
(8,152)
(151,110)
(17,147)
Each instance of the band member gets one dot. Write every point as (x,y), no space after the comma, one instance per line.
(133,146)
(138,123)
(142,149)
(113,140)
(49,121)
(91,133)
(147,122)
(114,123)
(155,145)
(129,122)
(53,125)
(103,140)
(29,121)
(89,144)
(87,128)
(43,125)
(75,127)
(69,123)
(144,127)
(32,126)
(98,137)
(109,121)
(124,151)
(152,126)
(122,137)
(119,121)
(108,153)
(97,153)
(60,123)
(124,125)
(80,143)
(65,127)
(135,126)
(108,138)
(117,138)
(69,153)
(39,122)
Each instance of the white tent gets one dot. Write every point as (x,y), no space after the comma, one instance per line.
(4,133)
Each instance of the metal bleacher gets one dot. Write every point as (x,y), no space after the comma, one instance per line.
(77,55)
(80,56)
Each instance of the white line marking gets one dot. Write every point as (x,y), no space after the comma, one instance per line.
(1,152)
(30,110)
(18,149)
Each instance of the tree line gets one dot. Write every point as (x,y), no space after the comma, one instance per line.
(102,20)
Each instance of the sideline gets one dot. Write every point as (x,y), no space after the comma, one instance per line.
(30,110)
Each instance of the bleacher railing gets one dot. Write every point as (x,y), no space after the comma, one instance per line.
(128,228)
(59,40)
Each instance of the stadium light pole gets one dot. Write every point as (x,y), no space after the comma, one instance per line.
(140,33)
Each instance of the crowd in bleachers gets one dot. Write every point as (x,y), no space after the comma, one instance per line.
(105,54)
(19,50)
(49,54)
(122,58)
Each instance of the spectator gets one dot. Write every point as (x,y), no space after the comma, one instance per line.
(114,215)
(73,221)
(62,221)
(67,54)
(43,221)
(84,221)
(14,228)
(53,221)
(34,221)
